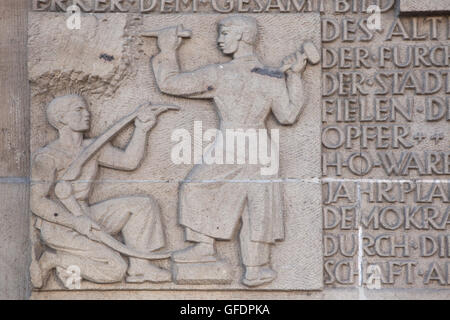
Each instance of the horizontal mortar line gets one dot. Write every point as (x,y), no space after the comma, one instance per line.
(406,290)
(290,180)
(311,180)
(373,180)
(14,180)
(241,290)
(13,266)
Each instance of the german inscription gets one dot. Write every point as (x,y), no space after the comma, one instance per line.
(385,142)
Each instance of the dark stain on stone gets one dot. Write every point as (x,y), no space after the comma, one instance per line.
(106,57)
(269,72)
(210,88)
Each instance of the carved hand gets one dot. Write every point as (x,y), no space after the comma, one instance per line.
(148,115)
(169,40)
(146,118)
(84,225)
(301,62)
(295,62)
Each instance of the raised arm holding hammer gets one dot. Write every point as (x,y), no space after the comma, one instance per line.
(245,92)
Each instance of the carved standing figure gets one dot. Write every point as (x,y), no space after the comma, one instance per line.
(244,92)
(76,232)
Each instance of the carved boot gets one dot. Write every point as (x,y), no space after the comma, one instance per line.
(40,270)
(70,277)
(141,271)
(37,278)
(256,276)
(198,253)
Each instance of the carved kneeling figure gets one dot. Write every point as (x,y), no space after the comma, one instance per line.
(77,233)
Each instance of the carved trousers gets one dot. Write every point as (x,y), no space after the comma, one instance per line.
(253,253)
(137,218)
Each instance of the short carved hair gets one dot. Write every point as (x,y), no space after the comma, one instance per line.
(247,25)
(59,106)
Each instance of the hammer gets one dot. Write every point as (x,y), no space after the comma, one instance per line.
(181,32)
(311,53)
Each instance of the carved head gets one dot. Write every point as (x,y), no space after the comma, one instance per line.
(233,30)
(71,111)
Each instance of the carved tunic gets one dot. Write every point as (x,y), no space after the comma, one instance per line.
(244,92)
(111,214)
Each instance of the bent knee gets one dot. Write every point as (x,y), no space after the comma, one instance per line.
(144,205)
(113,269)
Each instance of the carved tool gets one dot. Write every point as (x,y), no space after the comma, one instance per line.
(75,167)
(64,190)
(105,238)
(181,32)
(310,52)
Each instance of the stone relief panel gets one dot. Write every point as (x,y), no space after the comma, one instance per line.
(367,159)
(128,194)
(416,6)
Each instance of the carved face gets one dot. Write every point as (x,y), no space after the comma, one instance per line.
(229,39)
(78,117)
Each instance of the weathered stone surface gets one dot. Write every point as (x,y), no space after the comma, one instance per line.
(297,260)
(92,59)
(372,223)
(329,294)
(405,243)
(14,90)
(14,152)
(417,6)
(202,273)
(252,210)
(14,231)
(369,176)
